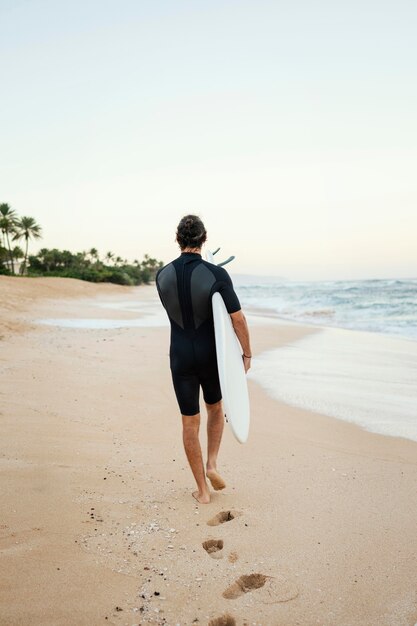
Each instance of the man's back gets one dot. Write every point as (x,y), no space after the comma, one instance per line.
(185,287)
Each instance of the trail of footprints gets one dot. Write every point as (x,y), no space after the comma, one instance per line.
(244,584)
(282,589)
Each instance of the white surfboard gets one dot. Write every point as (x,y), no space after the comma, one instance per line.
(232,374)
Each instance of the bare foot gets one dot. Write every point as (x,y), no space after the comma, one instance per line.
(216,480)
(202,498)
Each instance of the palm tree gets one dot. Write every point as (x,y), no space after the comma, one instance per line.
(109,257)
(93,252)
(8,219)
(26,227)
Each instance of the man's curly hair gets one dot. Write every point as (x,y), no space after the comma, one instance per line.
(191,232)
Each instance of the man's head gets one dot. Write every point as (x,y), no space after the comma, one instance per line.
(191,232)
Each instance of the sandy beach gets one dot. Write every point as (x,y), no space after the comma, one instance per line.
(317,524)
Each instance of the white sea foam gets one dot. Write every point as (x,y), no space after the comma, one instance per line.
(362,377)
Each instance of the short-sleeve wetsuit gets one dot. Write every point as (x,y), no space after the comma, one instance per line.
(185,287)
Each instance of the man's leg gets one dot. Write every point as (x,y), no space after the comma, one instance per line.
(190,428)
(215,424)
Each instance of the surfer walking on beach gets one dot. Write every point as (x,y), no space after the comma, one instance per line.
(185,287)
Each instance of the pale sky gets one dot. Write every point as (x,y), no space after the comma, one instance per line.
(289,127)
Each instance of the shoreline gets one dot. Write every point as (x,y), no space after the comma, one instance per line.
(101,475)
(333,347)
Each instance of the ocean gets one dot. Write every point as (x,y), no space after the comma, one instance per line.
(360,365)
(384,306)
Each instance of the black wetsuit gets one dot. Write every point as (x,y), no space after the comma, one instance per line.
(185,287)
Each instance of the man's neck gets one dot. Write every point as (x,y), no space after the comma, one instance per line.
(194,250)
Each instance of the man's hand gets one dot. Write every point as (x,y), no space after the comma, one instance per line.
(246,362)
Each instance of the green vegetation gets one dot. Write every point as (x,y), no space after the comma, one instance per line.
(89,266)
(86,265)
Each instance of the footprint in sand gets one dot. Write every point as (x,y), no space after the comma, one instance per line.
(243,585)
(214,548)
(222,517)
(277,588)
(223,620)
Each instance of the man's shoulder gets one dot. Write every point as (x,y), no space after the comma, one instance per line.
(161,270)
(220,273)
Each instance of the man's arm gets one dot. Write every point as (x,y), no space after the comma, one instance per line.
(242,331)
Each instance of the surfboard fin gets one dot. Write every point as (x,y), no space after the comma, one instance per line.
(231,258)
(226,261)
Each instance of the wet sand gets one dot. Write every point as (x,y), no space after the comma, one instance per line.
(317,524)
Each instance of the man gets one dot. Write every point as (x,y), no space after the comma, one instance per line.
(185,287)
